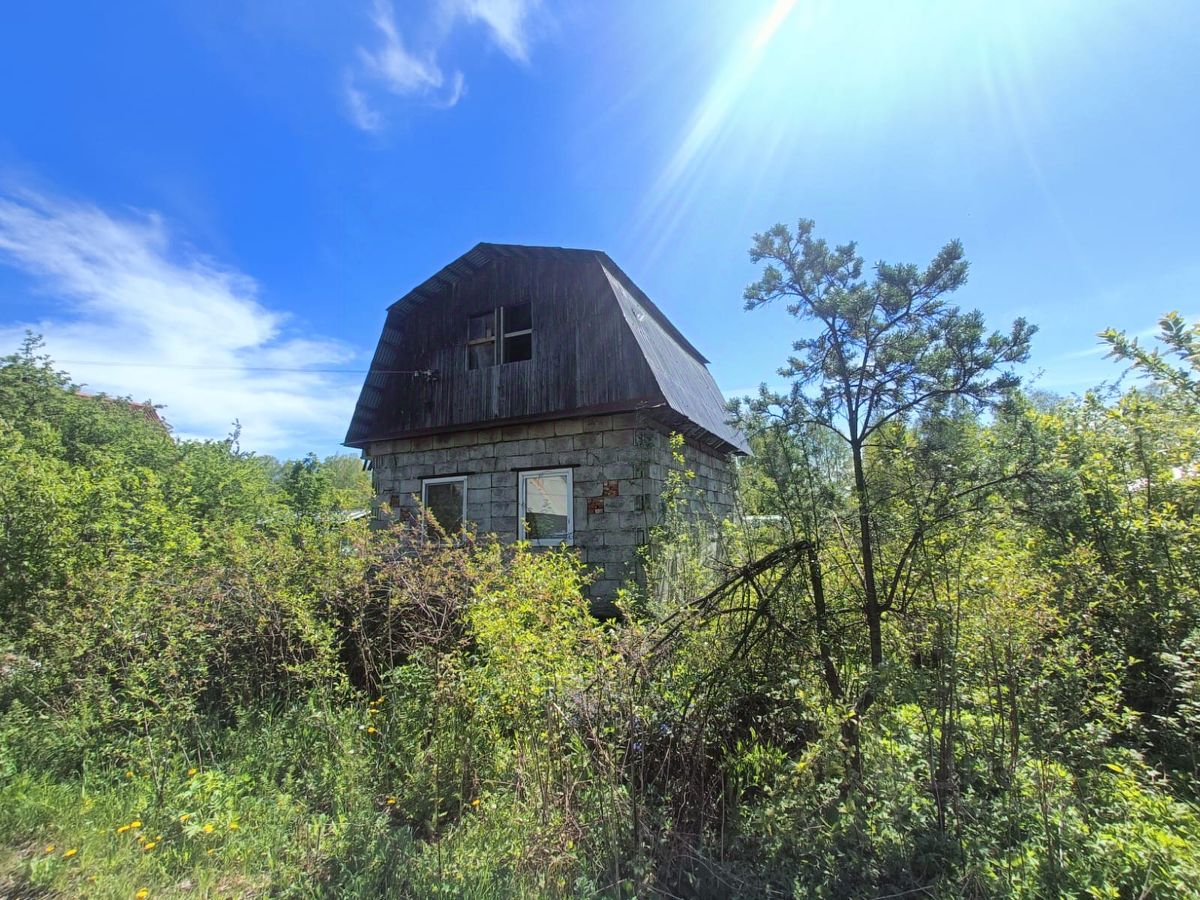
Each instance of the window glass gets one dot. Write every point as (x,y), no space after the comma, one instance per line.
(546,509)
(481,327)
(517,318)
(480,356)
(444,500)
(481,341)
(518,347)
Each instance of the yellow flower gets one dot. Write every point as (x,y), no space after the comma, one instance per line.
(475,802)
(128,774)
(210,851)
(142,894)
(122,829)
(380,700)
(49,848)
(371,729)
(136,823)
(391,801)
(233,826)
(70,853)
(208,827)
(185,817)
(192,772)
(150,846)
(371,712)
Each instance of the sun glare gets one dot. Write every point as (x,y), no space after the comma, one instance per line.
(776,17)
(726,91)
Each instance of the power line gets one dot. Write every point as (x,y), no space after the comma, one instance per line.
(210,368)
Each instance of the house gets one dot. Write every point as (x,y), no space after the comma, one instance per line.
(532,391)
(147,410)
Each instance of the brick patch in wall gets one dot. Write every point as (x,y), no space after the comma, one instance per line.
(612,489)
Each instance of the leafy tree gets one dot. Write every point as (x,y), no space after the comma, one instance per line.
(350,481)
(1179,339)
(889,351)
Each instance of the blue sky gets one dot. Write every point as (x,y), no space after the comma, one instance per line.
(207,193)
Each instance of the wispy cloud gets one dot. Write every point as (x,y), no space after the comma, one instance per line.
(390,66)
(508,21)
(136,312)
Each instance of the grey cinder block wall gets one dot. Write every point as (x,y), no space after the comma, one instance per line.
(619,465)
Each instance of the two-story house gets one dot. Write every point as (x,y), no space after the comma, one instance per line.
(532,391)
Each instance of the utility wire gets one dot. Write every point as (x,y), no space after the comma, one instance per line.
(145,365)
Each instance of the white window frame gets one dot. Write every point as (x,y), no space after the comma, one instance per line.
(522,477)
(426,482)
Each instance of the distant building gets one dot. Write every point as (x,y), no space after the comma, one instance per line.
(532,392)
(148,410)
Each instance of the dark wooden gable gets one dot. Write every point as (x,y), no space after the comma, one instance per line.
(586,356)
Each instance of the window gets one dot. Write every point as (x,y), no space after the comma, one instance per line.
(446,500)
(514,325)
(481,341)
(518,333)
(546,507)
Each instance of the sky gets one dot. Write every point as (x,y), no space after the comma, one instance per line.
(210,205)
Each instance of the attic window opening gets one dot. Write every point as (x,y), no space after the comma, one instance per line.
(481,341)
(513,325)
(517,326)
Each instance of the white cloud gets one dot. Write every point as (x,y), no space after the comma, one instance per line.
(508,21)
(182,329)
(391,66)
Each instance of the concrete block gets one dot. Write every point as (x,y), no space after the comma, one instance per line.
(568,426)
(597,423)
(514,433)
(587,441)
(618,438)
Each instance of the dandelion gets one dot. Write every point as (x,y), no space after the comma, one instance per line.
(136,823)
(151,845)
(185,817)
(122,829)
(49,848)
(128,774)
(192,771)
(391,801)
(142,894)
(70,853)
(372,729)
(475,802)
(233,826)
(208,827)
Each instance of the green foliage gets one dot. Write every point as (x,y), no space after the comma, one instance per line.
(212,683)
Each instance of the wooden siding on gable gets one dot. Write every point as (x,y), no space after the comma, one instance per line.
(599,345)
(583,354)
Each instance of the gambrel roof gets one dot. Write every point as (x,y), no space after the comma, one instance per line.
(601,345)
